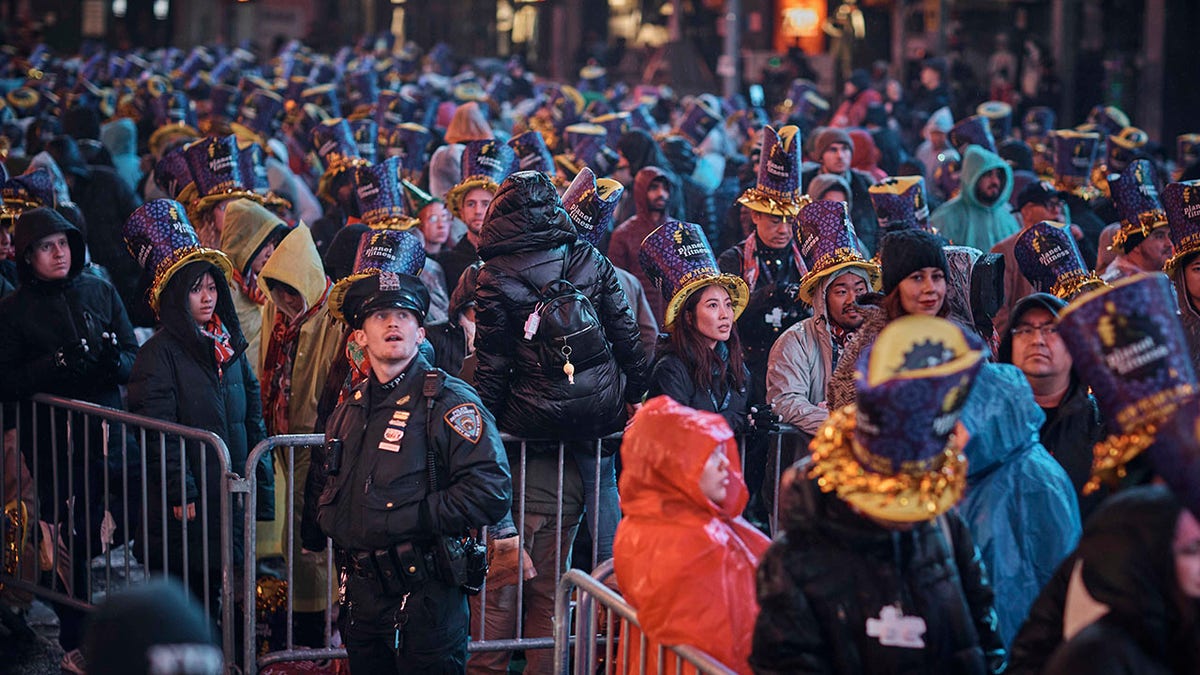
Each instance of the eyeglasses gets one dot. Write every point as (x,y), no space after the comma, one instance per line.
(1025,330)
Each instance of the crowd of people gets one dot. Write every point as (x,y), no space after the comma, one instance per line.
(964,323)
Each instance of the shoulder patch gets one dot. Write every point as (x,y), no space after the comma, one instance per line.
(466,421)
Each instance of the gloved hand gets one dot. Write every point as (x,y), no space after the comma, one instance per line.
(787,294)
(72,357)
(763,418)
(108,355)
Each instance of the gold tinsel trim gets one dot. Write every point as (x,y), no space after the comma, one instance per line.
(1076,284)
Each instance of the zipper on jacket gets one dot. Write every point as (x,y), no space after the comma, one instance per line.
(367,483)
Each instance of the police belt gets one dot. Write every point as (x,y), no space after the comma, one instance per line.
(395,571)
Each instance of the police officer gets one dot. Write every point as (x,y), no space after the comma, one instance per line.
(412,462)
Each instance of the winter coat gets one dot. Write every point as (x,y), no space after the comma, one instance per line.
(455,261)
(832,571)
(241,240)
(526,243)
(175,379)
(965,221)
(1020,504)
(862,209)
(684,562)
(107,202)
(120,138)
(297,264)
(636,296)
(1113,606)
(626,241)
(1069,433)
(672,376)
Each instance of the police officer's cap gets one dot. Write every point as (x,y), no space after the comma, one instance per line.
(386,290)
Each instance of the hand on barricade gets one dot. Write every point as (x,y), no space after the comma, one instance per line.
(505,559)
(763,418)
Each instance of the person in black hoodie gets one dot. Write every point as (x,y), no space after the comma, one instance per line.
(63,332)
(527,242)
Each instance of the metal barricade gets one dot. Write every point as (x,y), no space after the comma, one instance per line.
(622,652)
(94,481)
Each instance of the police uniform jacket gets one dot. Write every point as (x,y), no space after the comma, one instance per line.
(381,496)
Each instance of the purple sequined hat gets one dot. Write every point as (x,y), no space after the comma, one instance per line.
(171,172)
(333,142)
(1125,147)
(590,204)
(1073,154)
(215,171)
(587,146)
(225,99)
(699,118)
(260,114)
(640,118)
(381,197)
(366,137)
(252,162)
(1107,119)
(1049,258)
(395,108)
(974,130)
(947,175)
(485,164)
(616,124)
(1136,197)
(828,245)
(1181,201)
(999,117)
(1187,150)
(804,100)
(410,143)
(323,96)
(532,153)
(900,203)
(386,252)
(1128,345)
(172,108)
(362,88)
(677,258)
(1038,122)
(161,238)
(778,188)
(28,191)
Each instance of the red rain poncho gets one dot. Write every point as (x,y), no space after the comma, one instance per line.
(685,563)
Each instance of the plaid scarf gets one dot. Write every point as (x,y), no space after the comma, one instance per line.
(750,263)
(222,349)
(249,286)
(278,364)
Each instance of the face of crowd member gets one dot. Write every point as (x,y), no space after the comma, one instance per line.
(391,337)
(1191,280)
(1033,213)
(848,89)
(1187,554)
(7,252)
(714,480)
(989,186)
(774,231)
(894,91)
(474,207)
(840,300)
(50,257)
(836,158)
(714,314)
(289,300)
(930,78)
(834,196)
(923,291)
(1037,348)
(937,138)
(202,299)
(264,254)
(435,225)
(1153,253)
(658,195)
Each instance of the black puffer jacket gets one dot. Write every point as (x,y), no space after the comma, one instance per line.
(833,571)
(672,376)
(524,242)
(175,379)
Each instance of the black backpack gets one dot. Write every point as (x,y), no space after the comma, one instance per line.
(564,329)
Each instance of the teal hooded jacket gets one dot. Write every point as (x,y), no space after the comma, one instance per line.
(967,222)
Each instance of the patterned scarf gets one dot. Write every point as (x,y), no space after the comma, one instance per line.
(279,362)
(249,287)
(750,264)
(222,349)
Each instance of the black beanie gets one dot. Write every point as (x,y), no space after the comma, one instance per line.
(152,628)
(906,251)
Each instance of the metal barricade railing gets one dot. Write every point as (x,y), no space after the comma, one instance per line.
(625,646)
(87,474)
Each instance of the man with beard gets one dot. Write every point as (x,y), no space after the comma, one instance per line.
(979,216)
(485,164)
(652,196)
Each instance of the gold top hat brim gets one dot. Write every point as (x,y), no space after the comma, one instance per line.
(1187,248)
(756,200)
(739,293)
(325,182)
(202,204)
(337,294)
(177,261)
(810,281)
(245,136)
(897,498)
(1147,223)
(167,134)
(456,194)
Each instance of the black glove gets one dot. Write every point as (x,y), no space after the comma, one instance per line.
(108,355)
(787,294)
(763,418)
(72,358)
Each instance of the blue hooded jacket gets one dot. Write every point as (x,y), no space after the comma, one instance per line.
(967,222)
(1020,504)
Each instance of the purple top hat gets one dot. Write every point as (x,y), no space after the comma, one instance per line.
(171,172)
(1108,120)
(590,203)
(215,169)
(586,145)
(640,118)
(778,188)
(596,108)
(1187,150)
(380,196)
(699,118)
(410,142)
(335,146)
(900,203)
(395,108)
(260,112)
(947,175)
(225,99)
(161,238)
(803,99)
(1136,197)
(252,162)
(974,130)
(1181,201)
(294,88)
(490,160)
(999,117)
(172,108)
(1129,347)
(1038,122)
(28,191)
(677,259)
(1074,153)
(1124,147)
(383,253)
(1049,258)
(532,153)
(892,456)
(324,97)
(828,245)
(362,88)
(616,124)
(366,137)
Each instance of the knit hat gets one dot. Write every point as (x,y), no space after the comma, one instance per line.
(828,137)
(824,182)
(140,627)
(906,251)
